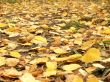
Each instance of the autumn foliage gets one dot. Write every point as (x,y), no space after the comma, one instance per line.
(54,41)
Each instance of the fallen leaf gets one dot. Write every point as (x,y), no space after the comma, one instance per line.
(77,79)
(11,25)
(32,29)
(13,29)
(12,61)
(51,69)
(2,61)
(92,78)
(78,41)
(57,41)
(106,60)
(83,72)
(3,50)
(11,34)
(69,77)
(91,55)
(15,54)
(74,57)
(59,51)
(87,44)
(12,73)
(106,31)
(97,65)
(49,73)
(64,14)
(72,30)
(12,45)
(39,39)
(51,65)
(71,67)
(2,25)
(39,60)
(45,26)
(90,69)
(27,77)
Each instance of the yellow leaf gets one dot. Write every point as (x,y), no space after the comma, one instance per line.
(71,67)
(27,77)
(11,25)
(78,41)
(59,51)
(106,31)
(3,25)
(51,65)
(51,68)
(87,44)
(92,79)
(39,60)
(2,50)
(77,79)
(2,61)
(74,57)
(50,73)
(45,26)
(13,29)
(39,39)
(90,69)
(72,30)
(15,54)
(91,55)
(64,14)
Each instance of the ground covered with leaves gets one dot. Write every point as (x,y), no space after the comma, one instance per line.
(64,41)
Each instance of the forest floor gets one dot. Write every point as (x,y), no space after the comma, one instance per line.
(54,42)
